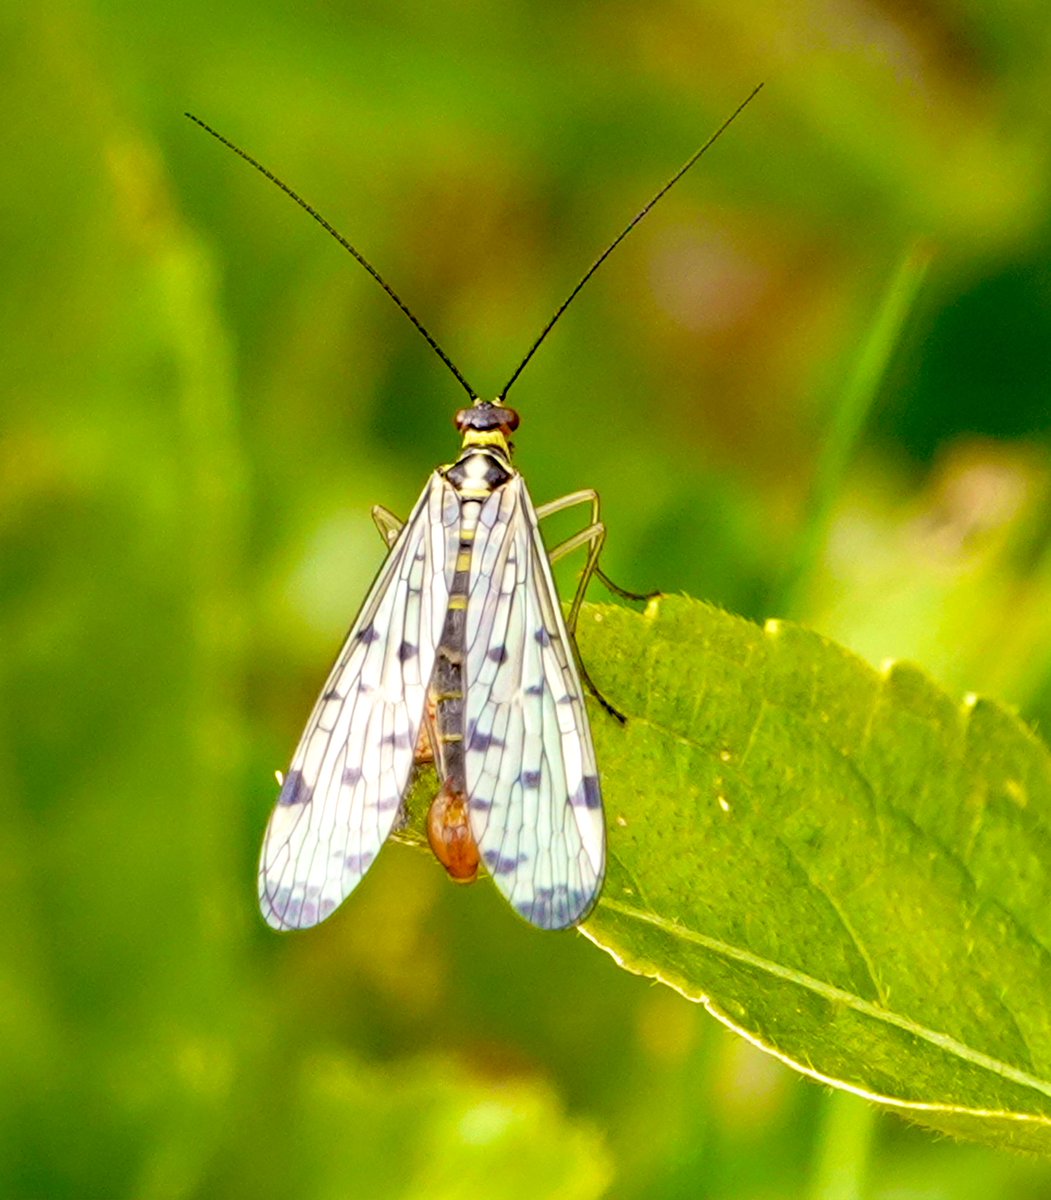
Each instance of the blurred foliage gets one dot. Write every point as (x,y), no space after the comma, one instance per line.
(203,397)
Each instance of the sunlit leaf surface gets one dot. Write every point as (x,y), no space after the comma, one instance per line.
(843,864)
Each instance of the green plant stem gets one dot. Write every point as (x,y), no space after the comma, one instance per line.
(849,418)
(841,1156)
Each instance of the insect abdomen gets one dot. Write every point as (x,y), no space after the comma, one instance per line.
(448,830)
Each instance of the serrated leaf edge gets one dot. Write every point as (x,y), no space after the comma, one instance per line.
(833,995)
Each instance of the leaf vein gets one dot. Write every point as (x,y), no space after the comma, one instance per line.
(836,995)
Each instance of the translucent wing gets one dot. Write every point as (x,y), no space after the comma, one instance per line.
(344,787)
(532,783)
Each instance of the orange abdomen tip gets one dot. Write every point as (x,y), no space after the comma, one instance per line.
(450,835)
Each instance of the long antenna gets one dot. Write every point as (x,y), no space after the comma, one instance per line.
(346,246)
(622,235)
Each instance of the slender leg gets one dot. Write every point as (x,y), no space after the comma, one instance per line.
(387,523)
(584,496)
(592,537)
(617,590)
(589,683)
(587,496)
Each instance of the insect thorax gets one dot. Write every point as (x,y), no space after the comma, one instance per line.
(484,464)
(479,471)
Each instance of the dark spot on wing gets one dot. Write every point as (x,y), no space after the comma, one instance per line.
(400,740)
(535,689)
(542,636)
(351,776)
(279,902)
(530,779)
(588,794)
(295,790)
(497,864)
(497,654)
(480,804)
(331,694)
(359,863)
(406,651)
(555,908)
(540,910)
(368,634)
(477,740)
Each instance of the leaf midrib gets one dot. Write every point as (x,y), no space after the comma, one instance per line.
(952,855)
(837,995)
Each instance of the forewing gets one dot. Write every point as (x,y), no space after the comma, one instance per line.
(353,762)
(532,782)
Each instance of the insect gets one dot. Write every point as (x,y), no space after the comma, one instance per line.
(460,651)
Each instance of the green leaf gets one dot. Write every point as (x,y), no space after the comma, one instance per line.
(843,865)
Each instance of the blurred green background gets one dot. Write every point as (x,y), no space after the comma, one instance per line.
(202,396)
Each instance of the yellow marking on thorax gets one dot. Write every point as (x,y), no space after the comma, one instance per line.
(490,437)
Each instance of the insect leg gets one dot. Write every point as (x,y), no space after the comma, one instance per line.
(617,590)
(387,523)
(588,496)
(592,537)
(584,496)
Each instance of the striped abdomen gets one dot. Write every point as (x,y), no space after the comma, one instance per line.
(475,476)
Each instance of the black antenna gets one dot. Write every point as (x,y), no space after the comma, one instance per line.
(346,246)
(622,235)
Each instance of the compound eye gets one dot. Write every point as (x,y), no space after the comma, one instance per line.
(484,418)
